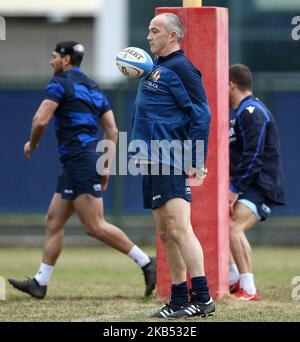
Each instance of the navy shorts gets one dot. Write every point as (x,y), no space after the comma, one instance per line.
(79,177)
(257,203)
(158,189)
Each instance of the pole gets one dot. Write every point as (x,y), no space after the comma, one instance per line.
(206,44)
(192,3)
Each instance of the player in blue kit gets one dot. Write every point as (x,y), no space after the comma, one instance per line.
(171,105)
(77,106)
(255,174)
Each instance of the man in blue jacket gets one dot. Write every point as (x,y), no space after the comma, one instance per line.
(171,106)
(255,174)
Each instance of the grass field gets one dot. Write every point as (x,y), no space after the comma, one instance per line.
(100,284)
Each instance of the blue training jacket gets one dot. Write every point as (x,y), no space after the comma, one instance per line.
(255,159)
(171,104)
(81,103)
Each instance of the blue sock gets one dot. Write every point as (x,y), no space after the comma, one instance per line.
(179,294)
(200,288)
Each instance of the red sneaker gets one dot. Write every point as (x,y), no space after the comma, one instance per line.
(243,295)
(234,287)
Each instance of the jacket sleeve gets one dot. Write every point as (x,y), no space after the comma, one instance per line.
(188,89)
(252,126)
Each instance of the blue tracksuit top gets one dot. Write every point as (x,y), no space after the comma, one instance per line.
(171,104)
(81,104)
(255,159)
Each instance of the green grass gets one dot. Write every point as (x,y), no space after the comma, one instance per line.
(100,284)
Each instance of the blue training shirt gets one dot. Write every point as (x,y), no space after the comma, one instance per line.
(171,104)
(81,103)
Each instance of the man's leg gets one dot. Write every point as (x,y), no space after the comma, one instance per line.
(234,276)
(58,213)
(242,219)
(174,257)
(179,288)
(185,252)
(91,213)
(178,235)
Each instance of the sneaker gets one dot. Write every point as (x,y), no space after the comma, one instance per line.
(30,286)
(166,311)
(195,308)
(234,287)
(150,276)
(243,295)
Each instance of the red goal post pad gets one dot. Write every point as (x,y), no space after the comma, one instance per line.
(206,44)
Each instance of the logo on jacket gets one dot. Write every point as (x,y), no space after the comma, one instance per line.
(251,109)
(155,75)
(232,136)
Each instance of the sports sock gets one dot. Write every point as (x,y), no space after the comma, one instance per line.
(234,275)
(200,288)
(139,256)
(247,283)
(44,273)
(179,294)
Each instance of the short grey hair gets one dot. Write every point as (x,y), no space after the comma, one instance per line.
(174,24)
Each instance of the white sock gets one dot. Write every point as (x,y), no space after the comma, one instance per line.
(247,283)
(139,256)
(234,275)
(44,273)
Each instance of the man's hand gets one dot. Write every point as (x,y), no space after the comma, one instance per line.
(233,197)
(28,150)
(198,176)
(39,124)
(201,173)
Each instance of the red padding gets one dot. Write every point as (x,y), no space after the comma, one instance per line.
(206,44)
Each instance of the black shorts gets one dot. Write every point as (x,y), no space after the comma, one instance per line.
(158,189)
(257,203)
(79,177)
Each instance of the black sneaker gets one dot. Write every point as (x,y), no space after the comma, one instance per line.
(150,276)
(195,308)
(30,286)
(166,311)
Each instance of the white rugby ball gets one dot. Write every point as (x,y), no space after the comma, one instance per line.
(134,62)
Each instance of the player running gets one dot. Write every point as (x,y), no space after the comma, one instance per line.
(77,106)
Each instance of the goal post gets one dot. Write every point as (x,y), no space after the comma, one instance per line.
(206,44)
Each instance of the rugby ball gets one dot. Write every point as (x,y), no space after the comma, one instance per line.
(134,62)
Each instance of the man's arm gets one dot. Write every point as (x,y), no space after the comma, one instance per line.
(39,124)
(191,97)
(107,122)
(189,91)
